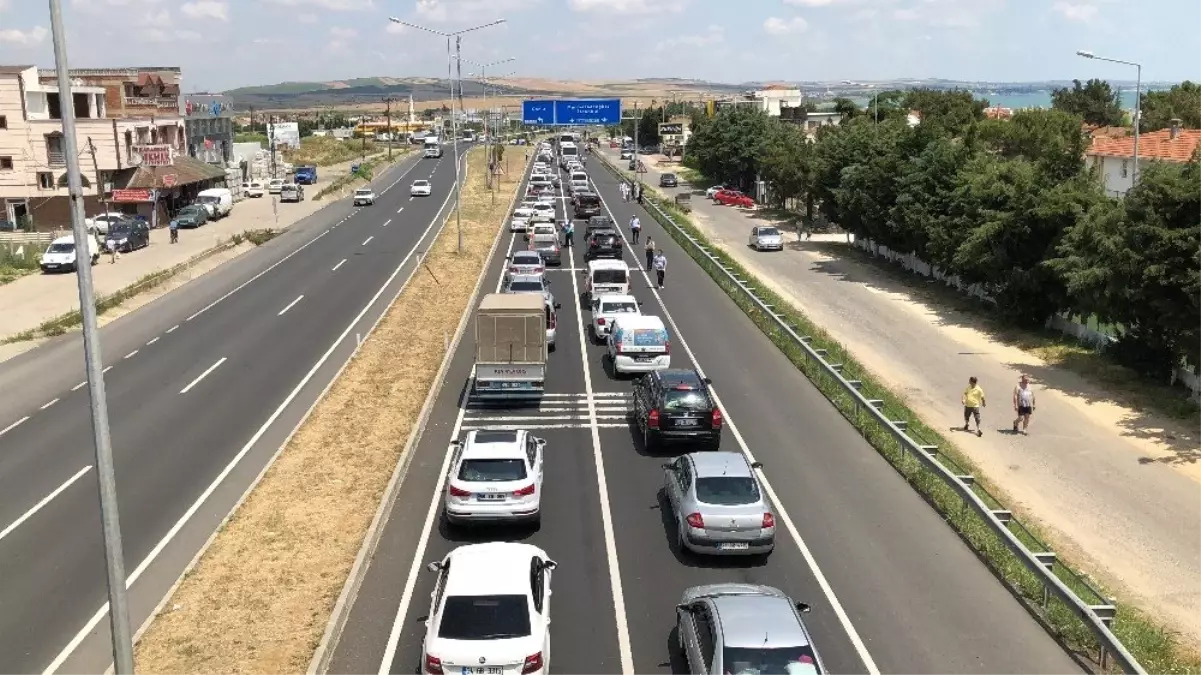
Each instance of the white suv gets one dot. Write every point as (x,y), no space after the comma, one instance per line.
(490,611)
(495,475)
(364,197)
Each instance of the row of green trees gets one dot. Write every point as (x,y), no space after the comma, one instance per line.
(1009,205)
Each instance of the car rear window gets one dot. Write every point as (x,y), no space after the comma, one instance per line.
(525,286)
(609,277)
(623,307)
(727,491)
(588,200)
(755,660)
(484,617)
(491,470)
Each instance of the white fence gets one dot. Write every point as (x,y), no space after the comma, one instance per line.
(1063,324)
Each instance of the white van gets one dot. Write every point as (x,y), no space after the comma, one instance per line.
(607,276)
(219,201)
(639,344)
(579,177)
(63,256)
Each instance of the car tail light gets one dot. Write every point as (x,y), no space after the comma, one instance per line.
(695,520)
(529,490)
(716,419)
(512,270)
(667,347)
(533,663)
(459,492)
(769,521)
(554,320)
(433,665)
(600,321)
(652,419)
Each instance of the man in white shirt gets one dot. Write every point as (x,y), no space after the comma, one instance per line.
(1023,404)
(660,265)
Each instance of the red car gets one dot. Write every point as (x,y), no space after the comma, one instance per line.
(733,198)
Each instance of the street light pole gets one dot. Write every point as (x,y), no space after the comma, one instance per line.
(454,125)
(488,140)
(105,474)
(1138,101)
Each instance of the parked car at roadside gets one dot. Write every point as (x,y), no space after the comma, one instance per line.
(734,198)
(191,216)
(127,235)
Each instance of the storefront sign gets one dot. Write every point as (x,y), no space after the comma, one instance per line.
(133,195)
(169,180)
(152,155)
(671,129)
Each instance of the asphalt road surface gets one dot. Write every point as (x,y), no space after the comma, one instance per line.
(205,384)
(893,589)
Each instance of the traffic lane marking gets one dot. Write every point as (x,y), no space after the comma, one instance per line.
(45,500)
(291,305)
(14,425)
(335,268)
(49,403)
(203,375)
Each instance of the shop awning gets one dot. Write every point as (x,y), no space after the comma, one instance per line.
(183,171)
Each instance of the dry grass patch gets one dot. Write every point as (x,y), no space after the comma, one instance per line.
(259,598)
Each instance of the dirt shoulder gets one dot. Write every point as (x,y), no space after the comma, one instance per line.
(259,598)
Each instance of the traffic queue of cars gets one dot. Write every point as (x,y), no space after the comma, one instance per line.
(490,608)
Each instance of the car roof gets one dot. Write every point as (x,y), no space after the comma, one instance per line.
(526,277)
(616,297)
(492,568)
(526,254)
(672,377)
(494,443)
(420,181)
(69,239)
(720,463)
(606,231)
(607,264)
(758,621)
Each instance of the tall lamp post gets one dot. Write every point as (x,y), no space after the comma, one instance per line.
(114,559)
(1138,100)
(454,124)
(487,113)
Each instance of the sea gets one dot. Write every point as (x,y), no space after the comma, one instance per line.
(1025,99)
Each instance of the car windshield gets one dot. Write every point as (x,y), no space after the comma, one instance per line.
(669,176)
(61,248)
(765,661)
(609,277)
(589,200)
(525,286)
(727,491)
(768,232)
(623,307)
(484,617)
(362,192)
(491,470)
(208,199)
(690,400)
(120,229)
(190,210)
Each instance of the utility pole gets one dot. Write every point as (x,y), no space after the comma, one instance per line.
(454,132)
(114,560)
(96,170)
(271,141)
(388,115)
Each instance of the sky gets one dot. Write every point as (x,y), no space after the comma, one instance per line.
(221,44)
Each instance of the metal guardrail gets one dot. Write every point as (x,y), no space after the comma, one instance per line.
(1097,618)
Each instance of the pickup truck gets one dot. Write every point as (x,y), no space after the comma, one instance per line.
(510,347)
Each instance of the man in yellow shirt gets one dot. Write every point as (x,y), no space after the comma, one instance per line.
(973,401)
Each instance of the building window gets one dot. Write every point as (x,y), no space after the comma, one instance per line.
(45,180)
(54,105)
(1125,168)
(6,163)
(3,122)
(55,156)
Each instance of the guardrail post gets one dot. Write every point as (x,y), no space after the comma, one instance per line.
(1003,516)
(1047,560)
(903,425)
(876,403)
(1106,613)
(836,367)
(855,384)
(967,479)
(821,352)
(930,450)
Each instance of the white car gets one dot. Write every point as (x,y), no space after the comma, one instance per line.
(606,308)
(543,212)
(766,238)
(254,189)
(421,188)
(711,192)
(275,186)
(364,197)
(99,224)
(491,611)
(521,219)
(495,476)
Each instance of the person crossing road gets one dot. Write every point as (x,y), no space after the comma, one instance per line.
(635,228)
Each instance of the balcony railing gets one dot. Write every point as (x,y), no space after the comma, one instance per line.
(171,102)
(56,159)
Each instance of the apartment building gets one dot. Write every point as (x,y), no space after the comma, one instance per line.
(122,116)
(769,99)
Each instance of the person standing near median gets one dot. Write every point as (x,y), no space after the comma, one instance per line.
(1023,404)
(650,253)
(973,401)
(635,228)
(660,265)
(640,194)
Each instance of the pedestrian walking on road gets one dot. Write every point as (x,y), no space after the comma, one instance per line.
(640,194)
(568,233)
(635,228)
(973,401)
(625,191)
(660,265)
(174,227)
(1023,404)
(114,253)
(650,253)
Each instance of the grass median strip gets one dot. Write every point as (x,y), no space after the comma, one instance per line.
(259,598)
(1156,648)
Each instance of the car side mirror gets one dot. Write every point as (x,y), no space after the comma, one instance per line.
(549,564)
(756,465)
(639,303)
(434,566)
(803,607)
(687,609)
(540,442)
(706,380)
(558,305)
(668,466)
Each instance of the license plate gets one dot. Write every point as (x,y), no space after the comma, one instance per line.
(686,423)
(513,385)
(734,546)
(482,670)
(644,357)
(491,497)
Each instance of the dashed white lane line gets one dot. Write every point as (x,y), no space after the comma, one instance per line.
(367,240)
(387,221)
(131,354)
(401,208)
(14,425)
(152,341)
(335,269)
(107,368)
(411,198)
(172,329)
(79,386)
(290,305)
(203,375)
(45,500)
(47,404)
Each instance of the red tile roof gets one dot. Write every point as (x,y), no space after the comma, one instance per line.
(1152,145)
(1095,131)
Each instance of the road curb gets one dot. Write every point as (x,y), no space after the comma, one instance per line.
(341,612)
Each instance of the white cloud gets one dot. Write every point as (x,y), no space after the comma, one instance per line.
(814,3)
(462,10)
(1075,12)
(343,33)
(152,34)
(644,7)
(777,26)
(866,14)
(905,14)
(395,28)
(713,35)
(4,4)
(206,9)
(307,17)
(336,5)
(29,38)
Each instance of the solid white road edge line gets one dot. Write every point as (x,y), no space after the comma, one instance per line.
(45,500)
(291,305)
(203,375)
(848,627)
(619,603)
(233,463)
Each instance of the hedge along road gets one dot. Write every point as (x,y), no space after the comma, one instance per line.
(214,380)
(893,588)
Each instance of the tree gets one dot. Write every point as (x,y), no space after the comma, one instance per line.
(923,214)
(952,111)
(1052,139)
(728,147)
(1182,101)
(866,187)
(847,108)
(787,164)
(1095,101)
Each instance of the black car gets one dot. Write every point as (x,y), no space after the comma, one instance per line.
(599,223)
(603,244)
(668,180)
(586,204)
(675,406)
(126,235)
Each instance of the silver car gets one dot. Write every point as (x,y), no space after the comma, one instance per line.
(526,262)
(764,238)
(744,628)
(537,283)
(718,505)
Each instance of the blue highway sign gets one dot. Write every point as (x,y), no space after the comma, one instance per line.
(538,113)
(564,112)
